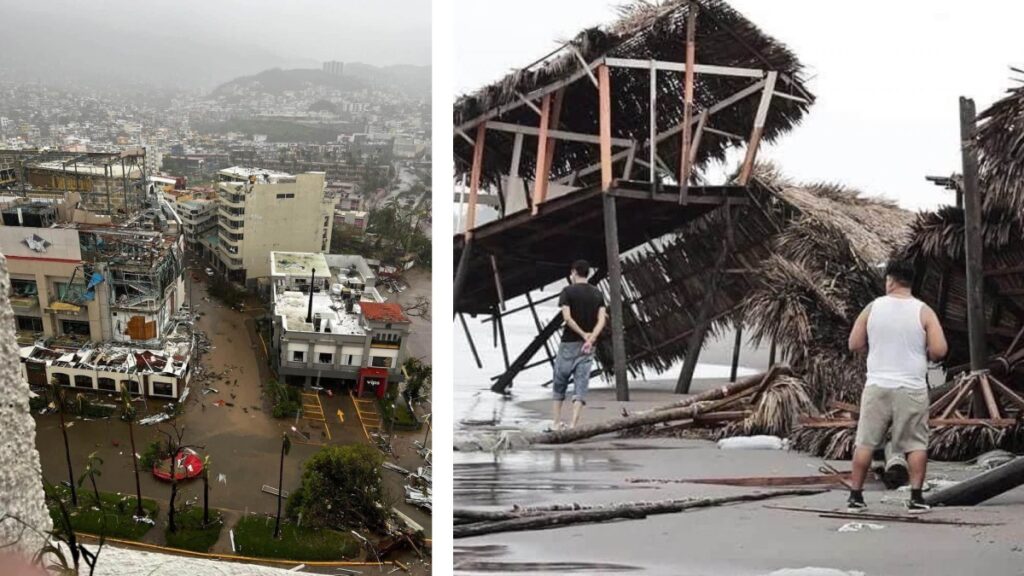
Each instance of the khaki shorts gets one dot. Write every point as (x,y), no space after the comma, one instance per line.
(905,410)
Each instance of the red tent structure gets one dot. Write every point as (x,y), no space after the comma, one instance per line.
(187,466)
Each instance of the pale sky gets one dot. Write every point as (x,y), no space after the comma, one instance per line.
(887,76)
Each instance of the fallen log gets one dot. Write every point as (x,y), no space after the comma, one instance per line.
(688,409)
(617,512)
(826,513)
(755,481)
(982,487)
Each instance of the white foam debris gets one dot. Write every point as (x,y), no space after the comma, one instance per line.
(859,526)
(815,571)
(752,443)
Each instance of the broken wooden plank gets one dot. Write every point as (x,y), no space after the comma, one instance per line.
(752,481)
(619,512)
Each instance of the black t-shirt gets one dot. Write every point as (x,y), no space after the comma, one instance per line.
(584,301)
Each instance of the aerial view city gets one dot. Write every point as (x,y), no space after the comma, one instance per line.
(216,293)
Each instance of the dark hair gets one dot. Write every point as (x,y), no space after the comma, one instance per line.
(582,268)
(901,271)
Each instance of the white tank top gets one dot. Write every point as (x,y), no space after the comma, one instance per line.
(897,345)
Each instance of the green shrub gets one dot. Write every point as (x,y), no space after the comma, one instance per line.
(254,536)
(341,489)
(113,518)
(286,399)
(151,455)
(286,409)
(192,534)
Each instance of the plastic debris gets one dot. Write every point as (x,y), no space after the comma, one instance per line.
(752,443)
(859,526)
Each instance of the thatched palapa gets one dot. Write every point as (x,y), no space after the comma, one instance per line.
(644,31)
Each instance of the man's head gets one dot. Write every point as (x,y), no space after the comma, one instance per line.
(580,270)
(899,274)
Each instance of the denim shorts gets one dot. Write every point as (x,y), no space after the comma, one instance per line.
(571,362)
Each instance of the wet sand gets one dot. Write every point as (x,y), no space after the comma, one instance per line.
(742,539)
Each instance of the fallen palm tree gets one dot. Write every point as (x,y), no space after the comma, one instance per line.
(519,521)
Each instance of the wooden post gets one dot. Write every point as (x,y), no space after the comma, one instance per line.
(497,282)
(758,131)
(474,190)
(501,333)
(469,338)
(553,120)
(691,62)
(736,351)
(474,178)
(611,236)
(540,183)
(653,126)
(605,122)
(972,237)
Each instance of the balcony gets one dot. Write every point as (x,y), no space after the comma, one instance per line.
(231,213)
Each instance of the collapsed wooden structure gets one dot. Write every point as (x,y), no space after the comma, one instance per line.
(602,145)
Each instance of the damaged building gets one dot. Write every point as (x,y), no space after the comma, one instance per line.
(331,326)
(81,282)
(260,211)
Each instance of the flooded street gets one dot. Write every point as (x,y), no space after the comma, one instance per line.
(241,438)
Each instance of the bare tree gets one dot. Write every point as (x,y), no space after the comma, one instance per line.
(175,446)
(92,470)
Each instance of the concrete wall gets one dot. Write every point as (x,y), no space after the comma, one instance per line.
(293,224)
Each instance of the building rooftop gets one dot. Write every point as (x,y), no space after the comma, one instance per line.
(298,264)
(262,175)
(329,313)
(383,312)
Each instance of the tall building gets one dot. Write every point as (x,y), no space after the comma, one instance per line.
(261,211)
(334,68)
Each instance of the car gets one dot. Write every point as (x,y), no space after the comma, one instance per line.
(209,272)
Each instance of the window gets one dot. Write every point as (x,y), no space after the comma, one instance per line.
(62,379)
(284,196)
(23,287)
(326,358)
(163,388)
(29,323)
(107,384)
(353,359)
(74,327)
(298,356)
(83,381)
(131,385)
(380,361)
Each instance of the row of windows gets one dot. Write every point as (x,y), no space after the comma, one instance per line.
(35,324)
(110,385)
(282,196)
(348,359)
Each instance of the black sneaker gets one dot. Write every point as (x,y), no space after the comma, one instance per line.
(855,504)
(917,506)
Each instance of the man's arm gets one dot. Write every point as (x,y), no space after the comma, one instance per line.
(935,338)
(567,316)
(858,341)
(602,317)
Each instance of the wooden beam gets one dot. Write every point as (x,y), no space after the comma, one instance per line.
(614,267)
(652,142)
(605,122)
(697,134)
(540,183)
(691,55)
(554,134)
(758,131)
(583,62)
(972,237)
(517,155)
(556,116)
(474,178)
(667,66)
(531,105)
(497,283)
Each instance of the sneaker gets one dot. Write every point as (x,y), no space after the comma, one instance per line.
(855,504)
(917,506)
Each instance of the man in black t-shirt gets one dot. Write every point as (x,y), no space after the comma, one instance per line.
(584,313)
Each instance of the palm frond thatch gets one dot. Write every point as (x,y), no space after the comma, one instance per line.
(777,411)
(1000,144)
(644,31)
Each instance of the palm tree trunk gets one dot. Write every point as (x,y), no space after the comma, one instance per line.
(95,491)
(135,465)
(67,450)
(206,497)
(280,482)
(171,527)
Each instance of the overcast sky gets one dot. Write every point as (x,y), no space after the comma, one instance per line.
(206,41)
(887,76)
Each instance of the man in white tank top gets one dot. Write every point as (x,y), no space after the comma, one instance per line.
(901,334)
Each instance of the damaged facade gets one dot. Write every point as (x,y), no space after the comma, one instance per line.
(330,324)
(260,211)
(81,284)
